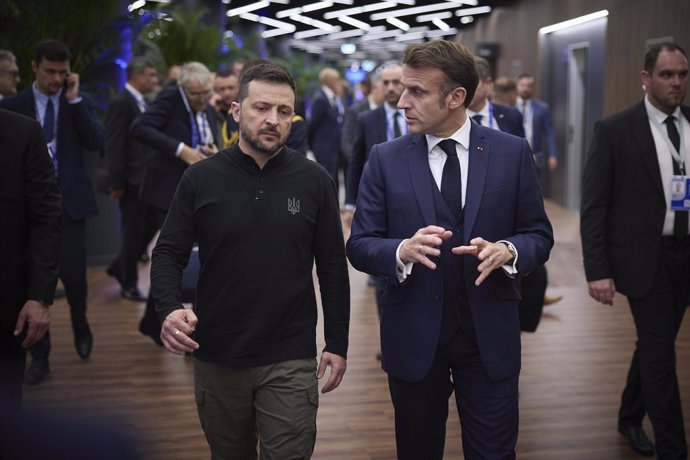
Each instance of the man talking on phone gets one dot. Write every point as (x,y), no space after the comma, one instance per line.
(70,129)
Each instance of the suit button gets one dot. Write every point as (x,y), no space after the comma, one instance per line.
(437,297)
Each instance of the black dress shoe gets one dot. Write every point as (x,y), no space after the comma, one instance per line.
(110,271)
(83,342)
(639,442)
(37,371)
(132,294)
(155,335)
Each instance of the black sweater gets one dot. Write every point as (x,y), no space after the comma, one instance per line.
(259,233)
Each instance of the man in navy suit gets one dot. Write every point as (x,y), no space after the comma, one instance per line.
(485,112)
(126,160)
(538,125)
(325,122)
(450,216)
(634,242)
(70,127)
(180,126)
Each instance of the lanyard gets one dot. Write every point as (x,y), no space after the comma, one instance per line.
(678,157)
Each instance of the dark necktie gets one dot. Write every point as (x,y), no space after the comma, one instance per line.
(478,118)
(195,130)
(396,125)
(451,180)
(680,221)
(49,122)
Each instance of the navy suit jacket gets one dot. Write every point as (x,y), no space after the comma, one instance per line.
(324,131)
(503,202)
(623,202)
(371,130)
(78,130)
(543,135)
(126,157)
(509,119)
(162,127)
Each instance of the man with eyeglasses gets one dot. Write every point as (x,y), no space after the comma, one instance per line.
(9,74)
(180,125)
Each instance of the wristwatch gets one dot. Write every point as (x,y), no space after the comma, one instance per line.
(511,250)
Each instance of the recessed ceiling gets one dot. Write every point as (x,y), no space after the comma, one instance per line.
(350,29)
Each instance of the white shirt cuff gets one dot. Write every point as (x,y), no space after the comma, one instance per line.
(179,149)
(402,270)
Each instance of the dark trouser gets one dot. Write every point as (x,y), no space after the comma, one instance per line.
(274,405)
(150,321)
(532,303)
(73,276)
(135,237)
(12,361)
(652,384)
(488,409)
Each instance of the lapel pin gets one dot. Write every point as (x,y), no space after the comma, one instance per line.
(479,147)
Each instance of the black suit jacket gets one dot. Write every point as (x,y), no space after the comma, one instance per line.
(347,135)
(78,130)
(30,217)
(125,156)
(371,130)
(623,203)
(162,127)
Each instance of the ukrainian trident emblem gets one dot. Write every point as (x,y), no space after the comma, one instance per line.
(293,205)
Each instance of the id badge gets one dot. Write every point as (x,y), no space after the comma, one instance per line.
(680,193)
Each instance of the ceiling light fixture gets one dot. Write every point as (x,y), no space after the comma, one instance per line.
(269,22)
(247,8)
(440,24)
(359,10)
(431,17)
(473,11)
(354,22)
(573,22)
(303,9)
(313,22)
(315,32)
(398,23)
(410,11)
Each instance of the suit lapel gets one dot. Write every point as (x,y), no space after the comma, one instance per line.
(645,143)
(418,164)
(476,177)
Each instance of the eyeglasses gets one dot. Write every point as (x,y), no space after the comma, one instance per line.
(11,73)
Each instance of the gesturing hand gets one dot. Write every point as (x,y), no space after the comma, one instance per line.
(424,244)
(491,256)
(177,329)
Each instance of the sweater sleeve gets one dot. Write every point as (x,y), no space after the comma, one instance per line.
(331,269)
(173,248)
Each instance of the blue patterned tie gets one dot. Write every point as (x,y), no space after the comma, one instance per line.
(195,131)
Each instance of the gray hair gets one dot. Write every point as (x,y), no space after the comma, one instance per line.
(139,65)
(7,55)
(195,72)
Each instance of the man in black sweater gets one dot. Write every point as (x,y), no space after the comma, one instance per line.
(261,214)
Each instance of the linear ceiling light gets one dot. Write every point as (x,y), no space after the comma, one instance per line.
(313,22)
(247,8)
(441,33)
(354,22)
(386,34)
(440,24)
(573,22)
(355,33)
(410,11)
(274,33)
(359,10)
(269,22)
(303,9)
(473,11)
(398,23)
(315,32)
(431,17)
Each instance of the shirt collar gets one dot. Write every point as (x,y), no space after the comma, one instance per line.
(656,115)
(484,112)
(461,136)
(43,98)
(137,95)
(390,111)
(329,92)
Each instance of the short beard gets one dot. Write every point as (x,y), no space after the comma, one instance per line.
(257,145)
